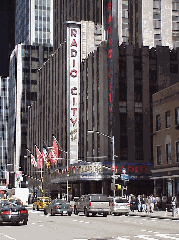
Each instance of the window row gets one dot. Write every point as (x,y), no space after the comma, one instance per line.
(167,153)
(167,119)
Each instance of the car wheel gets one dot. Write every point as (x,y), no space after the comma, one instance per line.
(61,213)
(33,208)
(93,214)
(104,214)
(115,214)
(69,213)
(45,212)
(16,223)
(86,213)
(25,222)
(75,211)
(126,214)
(52,213)
(37,208)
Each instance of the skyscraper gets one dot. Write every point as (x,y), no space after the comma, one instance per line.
(7,8)
(4,104)
(154,22)
(33,22)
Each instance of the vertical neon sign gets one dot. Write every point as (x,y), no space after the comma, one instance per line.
(73,79)
(110,54)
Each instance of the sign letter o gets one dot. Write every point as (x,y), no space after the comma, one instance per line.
(130,169)
(143,169)
(73,73)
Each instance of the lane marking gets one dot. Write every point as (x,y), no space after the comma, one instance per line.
(147,237)
(8,236)
(122,238)
(166,236)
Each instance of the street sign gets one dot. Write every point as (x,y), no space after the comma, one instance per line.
(124,171)
(115,176)
(124,177)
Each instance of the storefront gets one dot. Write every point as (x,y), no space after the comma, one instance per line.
(96,177)
(166,182)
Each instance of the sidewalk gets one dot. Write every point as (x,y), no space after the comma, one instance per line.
(155,214)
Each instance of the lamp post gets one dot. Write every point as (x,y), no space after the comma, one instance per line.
(113,156)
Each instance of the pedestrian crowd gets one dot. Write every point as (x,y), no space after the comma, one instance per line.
(142,203)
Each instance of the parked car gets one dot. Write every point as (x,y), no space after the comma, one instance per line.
(92,203)
(13,212)
(120,205)
(40,203)
(58,206)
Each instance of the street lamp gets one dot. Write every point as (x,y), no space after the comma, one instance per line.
(113,156)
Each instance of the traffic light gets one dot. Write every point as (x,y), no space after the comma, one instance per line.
(117,186)
(68,172)
(48,164)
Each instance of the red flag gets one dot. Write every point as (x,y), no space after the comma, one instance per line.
(54,153)
(39,158)
(33,161)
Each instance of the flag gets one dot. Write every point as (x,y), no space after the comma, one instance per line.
(39,158)
(33,161)
(45,153)
(54,153)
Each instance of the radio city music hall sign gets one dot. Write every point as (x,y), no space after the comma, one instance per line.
(73,79)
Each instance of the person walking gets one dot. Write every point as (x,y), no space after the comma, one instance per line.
(152,201)
(143,203)
(139,203)
(147,204)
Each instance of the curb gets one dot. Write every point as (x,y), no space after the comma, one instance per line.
(154,216)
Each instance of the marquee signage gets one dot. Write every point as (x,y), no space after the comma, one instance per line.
(73,83)
(103,168)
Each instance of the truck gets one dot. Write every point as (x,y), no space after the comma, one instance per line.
(22,194)
(92,203)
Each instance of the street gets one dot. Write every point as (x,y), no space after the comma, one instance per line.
(82,228)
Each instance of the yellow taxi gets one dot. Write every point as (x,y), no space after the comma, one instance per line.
(40,203)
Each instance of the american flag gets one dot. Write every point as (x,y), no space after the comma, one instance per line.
(45,153)
(33,161)
(39,158)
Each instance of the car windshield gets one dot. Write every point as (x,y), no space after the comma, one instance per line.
(99,198)
(61,202)
(119,200)
(44,200)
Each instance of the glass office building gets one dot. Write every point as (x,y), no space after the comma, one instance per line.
(34,22)
(4,104)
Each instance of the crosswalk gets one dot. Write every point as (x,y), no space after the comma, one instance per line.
(152,236)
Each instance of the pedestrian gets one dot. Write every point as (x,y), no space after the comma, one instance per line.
(152,200)
(139,203)
(143,203)
(147,204)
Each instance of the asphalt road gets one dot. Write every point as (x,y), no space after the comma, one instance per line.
(41,227)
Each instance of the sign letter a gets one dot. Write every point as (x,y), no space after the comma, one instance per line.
(74,43)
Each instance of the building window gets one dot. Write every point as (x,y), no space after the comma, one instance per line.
(173,67)
(168,153)
(159,155)
(177,151)
(158,122)
(177,116)
(167,119)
